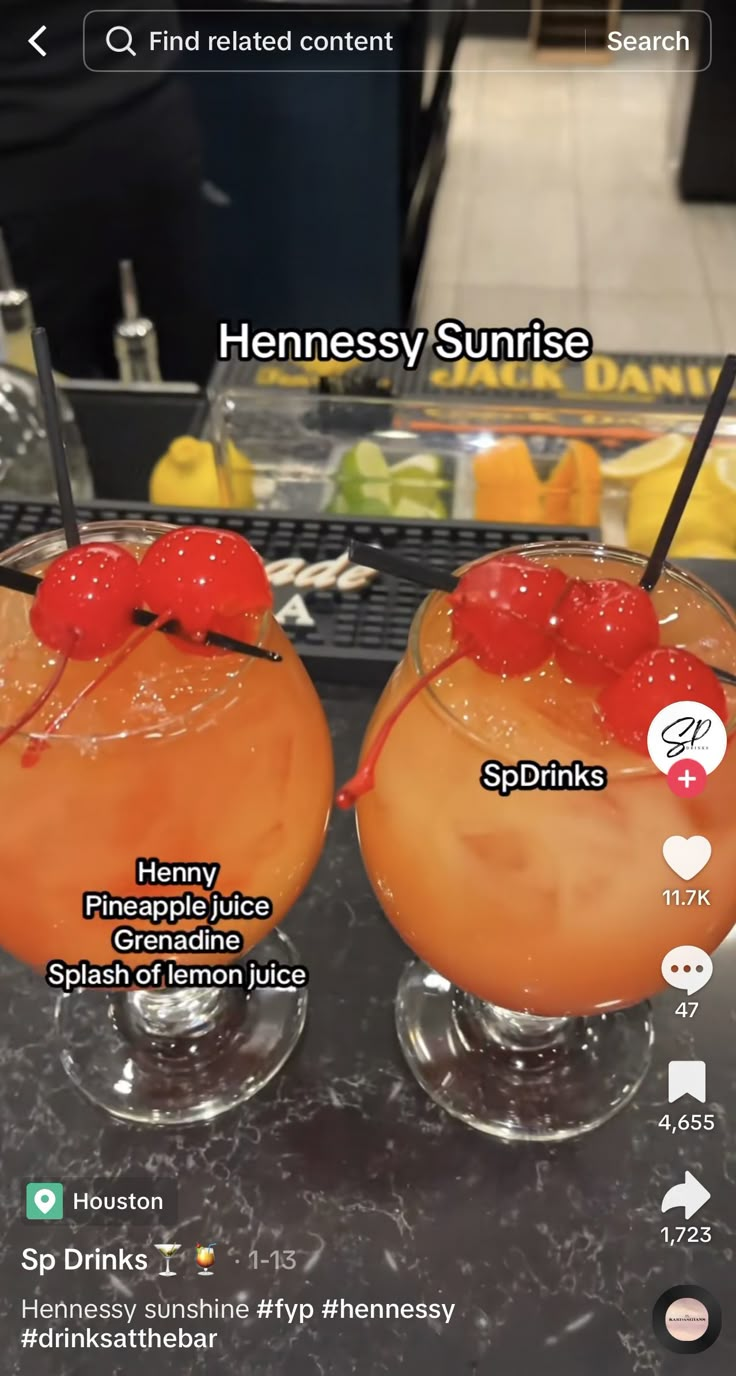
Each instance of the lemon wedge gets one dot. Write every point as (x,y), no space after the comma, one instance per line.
(709,515)
(701,549)
(647,458)
(724,466)
(187,475)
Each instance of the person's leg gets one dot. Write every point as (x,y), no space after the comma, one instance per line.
(132,187)
(69,262)
(64,261)
(165,244)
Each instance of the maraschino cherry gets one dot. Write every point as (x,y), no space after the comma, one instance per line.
(602,627)
(204,579)
(83,609)
(502,618)
(502,613)
(85,602)
(666,675)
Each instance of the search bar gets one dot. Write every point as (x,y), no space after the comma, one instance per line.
(277,39)
(368,39)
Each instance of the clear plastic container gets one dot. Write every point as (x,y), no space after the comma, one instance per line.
(553,467)
(26,470)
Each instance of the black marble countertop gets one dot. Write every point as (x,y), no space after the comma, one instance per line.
(552,1256)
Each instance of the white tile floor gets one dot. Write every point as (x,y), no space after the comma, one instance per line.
(558,200)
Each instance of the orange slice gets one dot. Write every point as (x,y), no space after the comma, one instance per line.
(506,484)
(573,490)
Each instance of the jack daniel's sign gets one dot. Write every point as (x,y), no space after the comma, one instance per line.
(636,381)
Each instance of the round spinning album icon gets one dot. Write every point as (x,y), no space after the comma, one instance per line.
(687,1319)
(687,731)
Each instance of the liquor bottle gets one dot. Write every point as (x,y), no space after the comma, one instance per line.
(16,314)
(135,340)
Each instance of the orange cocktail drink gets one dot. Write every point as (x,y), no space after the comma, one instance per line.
(544,901)
(178,755)
(541,916)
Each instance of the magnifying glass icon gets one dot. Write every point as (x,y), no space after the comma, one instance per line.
(127,45)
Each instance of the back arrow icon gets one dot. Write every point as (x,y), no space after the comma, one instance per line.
(36,35)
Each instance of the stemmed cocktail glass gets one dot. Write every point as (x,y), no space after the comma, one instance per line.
(178,755)
(539,914)
(538,918)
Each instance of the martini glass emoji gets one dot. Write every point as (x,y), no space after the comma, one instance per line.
(167,1250)
(205,1258)
(117,743)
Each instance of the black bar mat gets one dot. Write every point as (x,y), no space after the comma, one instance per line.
(344,635)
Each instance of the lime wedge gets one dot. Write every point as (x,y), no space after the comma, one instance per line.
(363,463)
(365,499)
(419,467)
(418,479)
(420,510)
(368,503)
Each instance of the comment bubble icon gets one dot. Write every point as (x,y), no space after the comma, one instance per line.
(688,968)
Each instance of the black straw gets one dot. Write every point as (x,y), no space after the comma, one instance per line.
(29,584)
(688,477)
(426,575)
(19,582)
(50,404)
(223,642)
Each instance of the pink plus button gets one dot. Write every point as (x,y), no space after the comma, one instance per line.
(687,778)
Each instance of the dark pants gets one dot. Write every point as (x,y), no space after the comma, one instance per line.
(126,187)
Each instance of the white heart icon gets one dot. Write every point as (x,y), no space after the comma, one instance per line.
(687,855)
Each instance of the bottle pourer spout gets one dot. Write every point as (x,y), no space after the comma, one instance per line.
(7,280)
(128,290)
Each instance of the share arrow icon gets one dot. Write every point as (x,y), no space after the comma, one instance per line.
(690,1196)
(33,40)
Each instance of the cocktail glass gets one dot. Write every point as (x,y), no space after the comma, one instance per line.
(167,1250)
(538,918)
(186,758)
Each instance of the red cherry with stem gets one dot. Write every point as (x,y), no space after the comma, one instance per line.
(364,780)
(34,751)
(502,617)
(85,602)
(655,680)
(502,613)
(206,579)
(602,627)
(38,702)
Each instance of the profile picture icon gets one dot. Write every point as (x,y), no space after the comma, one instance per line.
(687,1319)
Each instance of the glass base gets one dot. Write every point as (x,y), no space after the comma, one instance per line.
(182,1056)
(515,1076)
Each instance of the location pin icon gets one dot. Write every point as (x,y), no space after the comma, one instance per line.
(44,1200)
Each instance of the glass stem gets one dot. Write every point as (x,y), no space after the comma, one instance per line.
(515,1031)
(172,1014)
